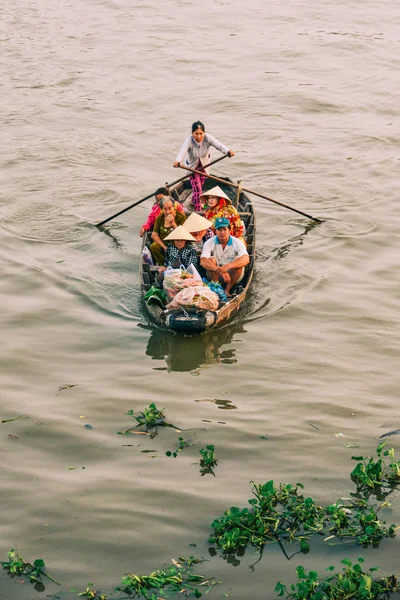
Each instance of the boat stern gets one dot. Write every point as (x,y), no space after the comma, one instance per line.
(190,320)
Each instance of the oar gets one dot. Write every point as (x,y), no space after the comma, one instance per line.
(152,194)
(255,194)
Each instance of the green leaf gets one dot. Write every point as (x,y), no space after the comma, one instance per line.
(280,588)
(346,561)
(301,572)
(380,447)
(304,546)
(268,488)
(39,563)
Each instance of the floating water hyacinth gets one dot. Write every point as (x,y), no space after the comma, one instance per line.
(352,582)
(16,565)
(150,418)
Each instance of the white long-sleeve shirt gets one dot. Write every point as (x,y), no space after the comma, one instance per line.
(191,152)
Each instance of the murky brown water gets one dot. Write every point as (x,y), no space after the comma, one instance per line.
(96,99)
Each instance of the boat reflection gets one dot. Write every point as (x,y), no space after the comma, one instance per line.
(191,353)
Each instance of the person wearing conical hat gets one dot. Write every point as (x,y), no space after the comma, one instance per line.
(196,222)
(199,227)
(180,251)
(195,153)
(220,206)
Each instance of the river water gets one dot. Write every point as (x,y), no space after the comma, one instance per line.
(97,97)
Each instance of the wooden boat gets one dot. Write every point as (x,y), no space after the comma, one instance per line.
(190,320)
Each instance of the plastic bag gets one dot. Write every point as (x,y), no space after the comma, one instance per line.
(193,271)
(147,257)
(177,279)
(155,296)
(197,296)
(218,289)
(170,272)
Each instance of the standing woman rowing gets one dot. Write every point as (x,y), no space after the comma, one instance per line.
(195,153)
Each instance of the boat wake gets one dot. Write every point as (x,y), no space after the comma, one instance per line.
(342,228)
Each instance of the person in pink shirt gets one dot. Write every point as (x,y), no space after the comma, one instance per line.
(156,210)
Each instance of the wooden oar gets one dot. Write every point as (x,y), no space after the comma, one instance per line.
(255,194)
(152,194)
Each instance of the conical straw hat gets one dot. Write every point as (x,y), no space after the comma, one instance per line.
(216,191)
(180,233)
(196,223)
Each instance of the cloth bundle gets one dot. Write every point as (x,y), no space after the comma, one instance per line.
(176,280)
(199,296)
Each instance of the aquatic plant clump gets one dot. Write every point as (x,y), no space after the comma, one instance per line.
(208,460)
(353,582)
(284,514)
(91,594)
(150,418)
(176,578)
(181,445)
(16,565)
(276,513)
(373,475)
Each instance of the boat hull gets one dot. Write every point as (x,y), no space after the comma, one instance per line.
(193,321)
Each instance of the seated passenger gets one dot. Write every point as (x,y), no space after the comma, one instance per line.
(224,257)
(156,210)
(166,222)
(219,205)
(180,251)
